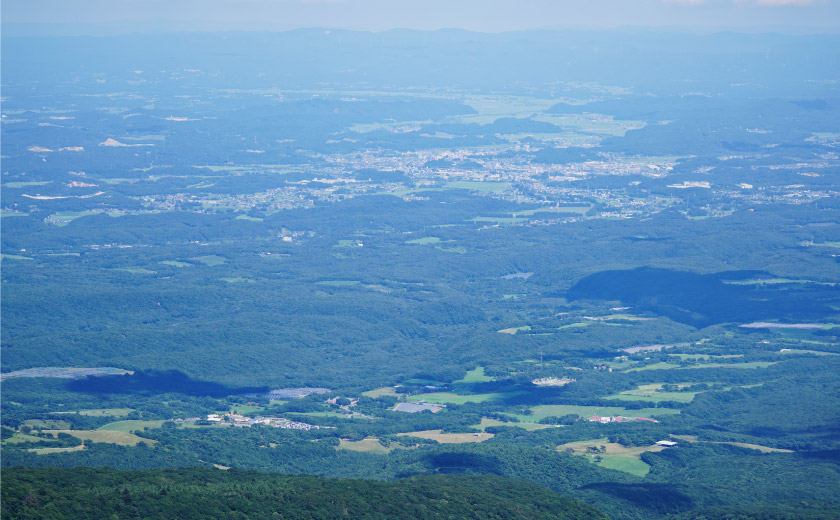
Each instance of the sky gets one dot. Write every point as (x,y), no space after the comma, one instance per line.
(119,16)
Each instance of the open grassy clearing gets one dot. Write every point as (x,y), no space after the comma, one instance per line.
(449,438)
(24,184)
(800,351)
(475,375)
(111,437)
(65,217)
(653,393)
(129,426)
(380,392)
(613,455)
(486,423)
(236,279)
(4,214)
(210,260)
(247,217)
(577,325)
(751,364)
(246,409)
(47,424)
(448,397)
(175,263)
(366,445)
(18,438)
(15,257)
(706,356)
(457,249)
(107,412)
(762,449)
(424,241)
(655,366)
(47,451)
(558,410)
(514,330)
(636,467)
(592,123)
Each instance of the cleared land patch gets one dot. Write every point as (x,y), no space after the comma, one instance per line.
(379,392)
(449,438)
(210,260)
(514,330)
(175,263)
(107,412)
(475,375)
(612,455)
(129,426)
(448,397)
(653,393)
(110,437)
(559,410)
(762,449)
(424,241)
(486,423)
(366,445)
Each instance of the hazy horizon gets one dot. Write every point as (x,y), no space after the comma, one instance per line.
(98,17)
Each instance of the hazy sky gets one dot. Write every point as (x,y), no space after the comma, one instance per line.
(478,15)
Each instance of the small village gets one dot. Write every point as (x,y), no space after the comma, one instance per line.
(242,421)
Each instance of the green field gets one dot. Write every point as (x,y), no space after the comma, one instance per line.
(65,217)
(815,352)
(475,375)
(129,426)
(628,465)
(120,438)
(655,366)
(246,409)
(366,445)
(14,257)
(246,217)
(448,397)
(175,263)
(558,410)
(751,364)
(339,283)
(47,424)
(107,412)
(23,184)
(652,393)
(379,392)
(577,325)
(210,260)
(613,455)
(486,423)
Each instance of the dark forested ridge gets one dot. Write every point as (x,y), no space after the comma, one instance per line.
(84,493)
